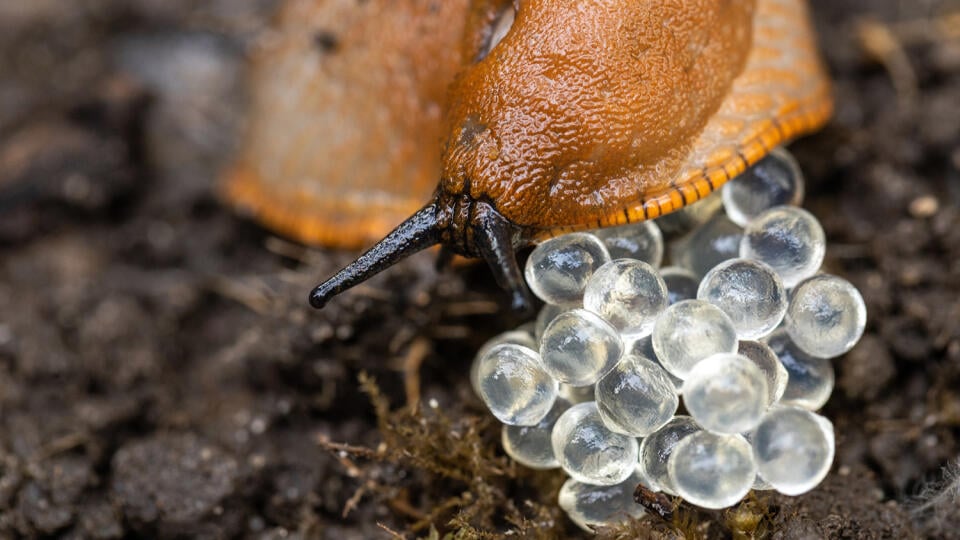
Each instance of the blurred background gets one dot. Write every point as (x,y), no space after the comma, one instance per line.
(162,376)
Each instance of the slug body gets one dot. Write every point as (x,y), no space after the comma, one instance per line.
(344,122)
(577,115)
(586,106)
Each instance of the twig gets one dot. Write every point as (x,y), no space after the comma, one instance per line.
(412,361)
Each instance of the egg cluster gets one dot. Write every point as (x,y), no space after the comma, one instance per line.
(742,327)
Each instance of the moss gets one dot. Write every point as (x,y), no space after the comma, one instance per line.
(449,452)
(748,520)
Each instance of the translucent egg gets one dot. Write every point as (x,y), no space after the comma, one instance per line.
(644,347)
(726,393)
(639,474)
(774,181)
(810,380)
(691,216)
(514,385)
(789,239)
(793,450)
(764,358)
(655,450)
(641,241)
(759,484)
(826,316)
(681,283)
(588,451)
(516,337)
(530,445)
(627,293)
(637,397)
(589,505)
(558,269)
(546,316)
(578,347)
(709,245)
(712,470)
(530,327)
(828,432)
(749,292)
(689,331)
(576,394)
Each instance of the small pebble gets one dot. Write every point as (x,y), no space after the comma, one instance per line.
(924,207)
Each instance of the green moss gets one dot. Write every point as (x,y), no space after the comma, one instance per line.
(443,475)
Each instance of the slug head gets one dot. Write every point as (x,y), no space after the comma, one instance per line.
(566,112)
(462,225)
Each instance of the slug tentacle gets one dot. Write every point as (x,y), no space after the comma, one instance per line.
(417,233)
(496,239)
(462,226)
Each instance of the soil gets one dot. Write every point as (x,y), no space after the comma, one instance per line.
(162,376)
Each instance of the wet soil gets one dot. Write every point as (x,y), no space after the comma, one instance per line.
(162,376)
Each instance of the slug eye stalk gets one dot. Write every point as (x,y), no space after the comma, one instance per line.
(487,234)
(417,233)
(494,238)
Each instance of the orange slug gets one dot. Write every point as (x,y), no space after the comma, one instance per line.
(569,115)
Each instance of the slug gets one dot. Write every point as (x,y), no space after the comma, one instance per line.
(563,116)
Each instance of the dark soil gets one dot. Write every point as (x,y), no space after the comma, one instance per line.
(162,376)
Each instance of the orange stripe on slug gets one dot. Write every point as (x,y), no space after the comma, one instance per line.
(702,182)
